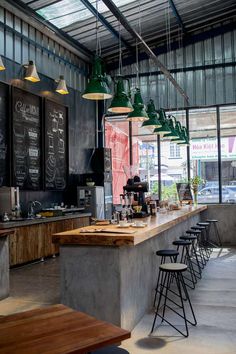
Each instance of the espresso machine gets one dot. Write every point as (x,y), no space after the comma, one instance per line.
(136,192)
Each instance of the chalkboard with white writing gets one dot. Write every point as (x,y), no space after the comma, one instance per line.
(3,134)
(26,140)
(55,146)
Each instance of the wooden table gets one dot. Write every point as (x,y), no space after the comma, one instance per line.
(56,330)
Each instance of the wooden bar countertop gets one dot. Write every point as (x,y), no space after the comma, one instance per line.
(110,235)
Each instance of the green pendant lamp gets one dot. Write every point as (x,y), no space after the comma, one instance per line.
(185,136)
(181,138)
(164,129)
(97,88)
(139,114)
(173,132)
(153,121)
(121,101)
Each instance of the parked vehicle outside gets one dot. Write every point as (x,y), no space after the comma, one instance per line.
(211,195)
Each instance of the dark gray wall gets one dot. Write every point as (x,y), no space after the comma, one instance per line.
(81,129)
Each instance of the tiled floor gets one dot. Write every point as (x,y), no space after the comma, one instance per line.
(214,301)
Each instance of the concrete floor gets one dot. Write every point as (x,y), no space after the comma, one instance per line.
(214,301)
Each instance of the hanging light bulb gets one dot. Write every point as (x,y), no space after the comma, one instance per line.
(164,125)
(121,101)
(139,114)
(2,67)
(153,121)
(61,86)
(31,72)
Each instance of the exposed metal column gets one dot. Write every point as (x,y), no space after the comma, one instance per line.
(106,24)
(177,15)
(116,12)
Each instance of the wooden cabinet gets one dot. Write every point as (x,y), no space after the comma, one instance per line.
(33,242)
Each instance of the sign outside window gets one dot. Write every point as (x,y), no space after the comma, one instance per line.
(207,149)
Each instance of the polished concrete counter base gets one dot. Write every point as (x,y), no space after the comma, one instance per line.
(4,267)
(115,284)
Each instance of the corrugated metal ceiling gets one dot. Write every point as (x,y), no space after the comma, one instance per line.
(156,18)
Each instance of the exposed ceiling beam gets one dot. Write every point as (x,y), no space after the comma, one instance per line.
(177,15)
(106,24)
(188,40)
(116,12)
(86,54)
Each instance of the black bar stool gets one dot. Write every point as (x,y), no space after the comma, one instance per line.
(193,253)
(202,241)
(186,259)
(174,271)
(199,248)
(172,254)
(213,222)
(207,227)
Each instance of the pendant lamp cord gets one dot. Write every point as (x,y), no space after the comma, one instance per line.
(137,44)
(98,44)
(120,52)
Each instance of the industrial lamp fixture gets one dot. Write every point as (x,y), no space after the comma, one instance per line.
(164,129)
(2,67)
(186,137)
(61,86)
(153,121)
(180,138)
(97,88)
(139,114)
(121,101)
(173,132)
(31,72)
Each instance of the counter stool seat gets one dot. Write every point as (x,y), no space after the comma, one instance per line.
(173,267)
(203,223)
(188,237)
(193,232)
(167,253)
(181,243)
(198,227)
(211,220)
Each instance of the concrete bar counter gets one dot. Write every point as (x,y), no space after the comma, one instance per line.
(4,263)
(112,275)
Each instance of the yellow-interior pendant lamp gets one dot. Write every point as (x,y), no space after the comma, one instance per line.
(138,114)
(2,67)
(164,129)
(97,87)
(31,72)
(61,86)
(153,121)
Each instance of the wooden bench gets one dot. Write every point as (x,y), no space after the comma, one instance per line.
(56,330)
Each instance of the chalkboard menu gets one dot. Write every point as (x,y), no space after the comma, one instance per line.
(184,192)
(26,139)
(3,134)
(55,146)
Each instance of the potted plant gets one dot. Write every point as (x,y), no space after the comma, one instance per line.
(195,182)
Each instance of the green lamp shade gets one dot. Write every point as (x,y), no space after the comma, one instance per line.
(173,132)
(139,114)
(185,137)
(153,121)
(180,138)
(97,88)
(121,102)
(164,129)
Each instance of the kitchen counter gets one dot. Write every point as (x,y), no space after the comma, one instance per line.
(134,236)
(113,276)
(27,222)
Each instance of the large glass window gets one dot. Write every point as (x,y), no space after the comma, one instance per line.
(228,153)
(204,153)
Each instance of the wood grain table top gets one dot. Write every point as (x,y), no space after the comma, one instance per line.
(110,235)
(56,329)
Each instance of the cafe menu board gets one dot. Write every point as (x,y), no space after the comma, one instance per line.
(55,146)
(3,133)
(26,140)
(184,192)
